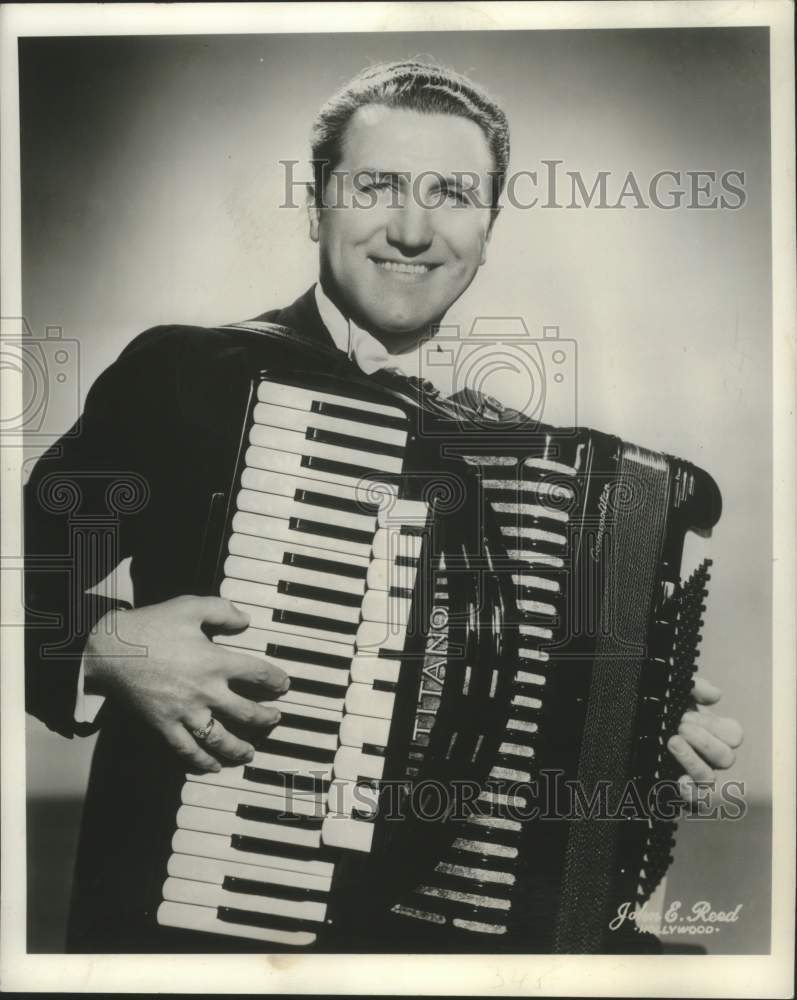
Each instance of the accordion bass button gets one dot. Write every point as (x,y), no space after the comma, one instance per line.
(347,833)
(362,699)
(352,764)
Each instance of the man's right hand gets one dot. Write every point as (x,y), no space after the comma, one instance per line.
(159,662)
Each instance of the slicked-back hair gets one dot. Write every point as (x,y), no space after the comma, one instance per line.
(425,87)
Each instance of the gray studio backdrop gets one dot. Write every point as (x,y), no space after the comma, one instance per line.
(152,186)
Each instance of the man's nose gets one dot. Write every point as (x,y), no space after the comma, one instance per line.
(410,228)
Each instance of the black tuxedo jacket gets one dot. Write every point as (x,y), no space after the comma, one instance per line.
(133,478)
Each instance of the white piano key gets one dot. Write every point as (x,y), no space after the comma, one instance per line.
(373,636)
(279,530)
(303,399)
(400,512)
(362,699)
(300,698)
(283,463)
(277,635)
(268,760)
(298,444)
(384,574)
(260,595)
(378,606)
(197,793)
(285,418)
(345,797)
(233,777)
(215,871)
(203,918)
(367,669)
(268,550)
(214,845)
(252,638)
(390,544)
(180,890)
(355,730)
(271,505)
(349,834)
(351,764)
(218,821)
(271,574)
(290,734)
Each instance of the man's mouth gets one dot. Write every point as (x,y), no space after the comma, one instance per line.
(402,267)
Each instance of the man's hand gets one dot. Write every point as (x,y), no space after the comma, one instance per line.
(704,741)
(159,662)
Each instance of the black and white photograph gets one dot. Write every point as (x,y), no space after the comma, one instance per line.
(398,523)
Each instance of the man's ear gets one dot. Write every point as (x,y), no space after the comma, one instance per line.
(313,213)
(493,216)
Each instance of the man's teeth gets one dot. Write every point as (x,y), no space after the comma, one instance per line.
(389,265)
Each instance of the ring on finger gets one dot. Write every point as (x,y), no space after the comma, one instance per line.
(201,735)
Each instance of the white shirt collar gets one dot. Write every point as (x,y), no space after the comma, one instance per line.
(359,345)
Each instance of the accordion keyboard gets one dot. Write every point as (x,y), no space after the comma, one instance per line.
(322,556)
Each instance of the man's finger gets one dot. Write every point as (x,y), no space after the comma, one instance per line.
(222,744)
(243,712)
(689,759)
(192,755)
(219,613)
(727,730)
(704,692)
(712,750)
(263,675)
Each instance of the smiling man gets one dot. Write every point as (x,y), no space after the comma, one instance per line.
(409,163)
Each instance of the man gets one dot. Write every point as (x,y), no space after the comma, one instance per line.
(409,164)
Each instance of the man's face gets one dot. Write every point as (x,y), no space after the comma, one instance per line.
(405,221)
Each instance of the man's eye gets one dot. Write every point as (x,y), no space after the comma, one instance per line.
(456,196)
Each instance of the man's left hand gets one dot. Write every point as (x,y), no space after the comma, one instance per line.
(705,742)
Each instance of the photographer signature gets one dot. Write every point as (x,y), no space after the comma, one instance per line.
(701,918)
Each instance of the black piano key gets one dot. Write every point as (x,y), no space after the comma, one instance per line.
(268,921)
(291,782)
(359,416)
(298,655)
(338,468)
(407,560)
(404,592)
(274,890)
(336,440)
(259,814)
(321,688)
(309,723)
(324,565)
(332,502)
(374,749)
(390,686)
(306,527)
(316,755)
(310,593)
(313,622)
(278,848)
(417,530)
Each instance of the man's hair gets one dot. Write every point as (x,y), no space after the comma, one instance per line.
(428,88)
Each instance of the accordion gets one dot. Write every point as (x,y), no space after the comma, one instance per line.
(489,644)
